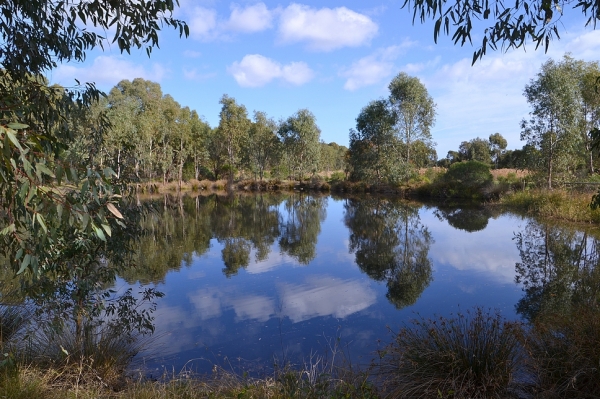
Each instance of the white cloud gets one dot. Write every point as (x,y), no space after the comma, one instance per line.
(325,29)
(373,68)
(255,70)
(202,22)
(253,18)
(106,70)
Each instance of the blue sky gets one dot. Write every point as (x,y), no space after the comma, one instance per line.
(333,58)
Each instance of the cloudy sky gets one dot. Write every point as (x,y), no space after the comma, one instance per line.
(333,58)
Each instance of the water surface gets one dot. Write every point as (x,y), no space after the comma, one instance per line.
(253,280)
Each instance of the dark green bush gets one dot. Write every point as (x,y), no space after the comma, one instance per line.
(471,174)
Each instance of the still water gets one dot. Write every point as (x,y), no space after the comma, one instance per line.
(254,280)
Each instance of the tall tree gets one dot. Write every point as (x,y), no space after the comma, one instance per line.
(374,147)
(590,103)
(263,145)
(414,110)
(555,116)
(497,146)
(233,128)
(301,135)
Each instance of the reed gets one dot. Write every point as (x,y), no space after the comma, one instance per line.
(472,355)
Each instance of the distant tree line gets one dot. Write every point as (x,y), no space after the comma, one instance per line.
(152,137)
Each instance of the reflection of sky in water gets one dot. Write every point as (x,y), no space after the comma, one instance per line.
(279,308)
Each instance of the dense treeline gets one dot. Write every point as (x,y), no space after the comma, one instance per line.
(152,137)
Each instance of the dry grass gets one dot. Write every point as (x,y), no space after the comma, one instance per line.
(504,173)
(315,380)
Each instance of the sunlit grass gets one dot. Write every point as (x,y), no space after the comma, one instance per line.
(556,204)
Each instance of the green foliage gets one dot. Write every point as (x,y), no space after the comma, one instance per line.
(554,129)
(465,179)
(509,26)
(374,147)
(301,142)
(497,146)
(414,111)
(472,355)
(263,148)
(475,150)
(392,135)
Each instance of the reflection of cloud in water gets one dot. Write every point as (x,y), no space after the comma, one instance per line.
(491,250)
(211,302)
(273,261)
(324,296)
(253,307)
(319,296)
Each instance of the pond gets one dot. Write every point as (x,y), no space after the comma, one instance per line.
(256,280)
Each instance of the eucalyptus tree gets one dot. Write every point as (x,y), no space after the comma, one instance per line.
(301,136)
(123,135)
(263,147)
(555,117)
(183,139)
(414,110)
(200,133)
(36,37)
(148,97)
(233,129)
(590,103)
(497,145)
(477,149)
(217,153)
(374,147)
(423,155)
(168,135)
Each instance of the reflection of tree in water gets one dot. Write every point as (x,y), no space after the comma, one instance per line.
(469,218)
(391,244)
(301,226)
(243,223)
(558,269)
(175,230)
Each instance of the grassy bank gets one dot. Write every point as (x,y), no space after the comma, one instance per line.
(506,188)
(476,354)
(315,380)
(556,204)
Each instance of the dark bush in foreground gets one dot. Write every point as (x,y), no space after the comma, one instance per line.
(474,355)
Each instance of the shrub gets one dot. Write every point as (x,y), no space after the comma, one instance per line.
(469,174)
(469,356)
(337,177)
